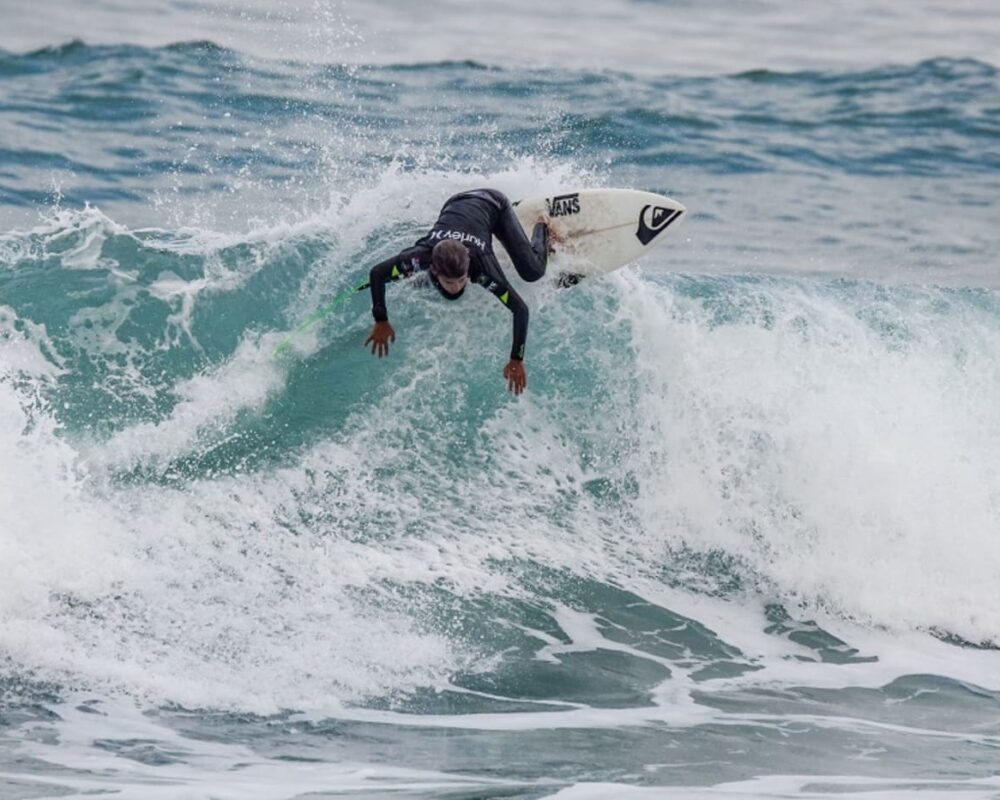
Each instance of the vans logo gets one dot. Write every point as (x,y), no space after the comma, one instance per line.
(654,223)
(563,205)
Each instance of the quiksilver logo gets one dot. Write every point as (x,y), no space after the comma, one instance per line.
(563,205)
(659,219)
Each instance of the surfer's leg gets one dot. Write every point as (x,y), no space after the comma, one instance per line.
(528,257)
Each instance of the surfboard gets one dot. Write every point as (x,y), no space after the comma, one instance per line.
(602,229)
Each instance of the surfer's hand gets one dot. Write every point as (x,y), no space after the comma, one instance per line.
(555,237)
(516,377)
(380,337)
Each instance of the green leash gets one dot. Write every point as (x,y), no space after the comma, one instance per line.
(340,298)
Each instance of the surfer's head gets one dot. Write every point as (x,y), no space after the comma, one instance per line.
(450,265)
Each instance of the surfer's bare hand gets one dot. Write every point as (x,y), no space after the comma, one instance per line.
(380,337)
(516,377)
(555,237)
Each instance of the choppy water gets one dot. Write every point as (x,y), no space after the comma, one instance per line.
(739,539)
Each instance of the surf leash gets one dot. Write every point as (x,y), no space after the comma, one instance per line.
(317,316)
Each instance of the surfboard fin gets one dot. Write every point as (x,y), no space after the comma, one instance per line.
(567,279)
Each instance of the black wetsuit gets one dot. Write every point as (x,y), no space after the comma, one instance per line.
(474,218)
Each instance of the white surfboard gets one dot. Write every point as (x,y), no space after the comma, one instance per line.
(602,229)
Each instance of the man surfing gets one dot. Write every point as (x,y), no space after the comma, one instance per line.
(458,250)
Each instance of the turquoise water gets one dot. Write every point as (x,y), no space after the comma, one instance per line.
(739,538)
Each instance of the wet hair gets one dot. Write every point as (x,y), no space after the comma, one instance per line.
(450,259)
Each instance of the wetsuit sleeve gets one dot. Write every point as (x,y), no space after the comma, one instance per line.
(519,308)
(401,265)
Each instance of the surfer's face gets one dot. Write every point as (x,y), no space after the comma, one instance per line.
(452,285)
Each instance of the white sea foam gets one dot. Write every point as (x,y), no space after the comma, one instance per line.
(200,596)
(197,769)
(832,441)
(835,444)
(839,444)
(818,787)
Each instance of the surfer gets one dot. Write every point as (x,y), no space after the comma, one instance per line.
(458,251)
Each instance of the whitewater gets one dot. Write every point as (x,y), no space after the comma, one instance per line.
(740,537)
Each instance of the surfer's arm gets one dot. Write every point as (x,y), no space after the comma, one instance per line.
(392,269)
(506,295)
(514,372)
(401,265)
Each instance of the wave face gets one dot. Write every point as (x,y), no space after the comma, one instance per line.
(741,530)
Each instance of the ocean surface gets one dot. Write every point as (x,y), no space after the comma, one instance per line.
(740,538)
